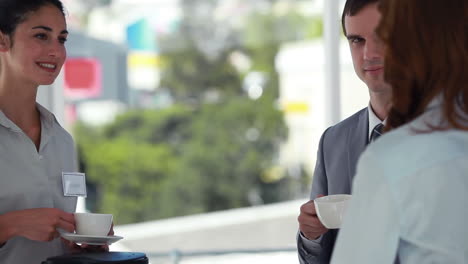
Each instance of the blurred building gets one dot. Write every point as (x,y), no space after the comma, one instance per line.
(95,79)
(302,97)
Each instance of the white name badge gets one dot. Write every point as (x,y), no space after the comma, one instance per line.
(74,184)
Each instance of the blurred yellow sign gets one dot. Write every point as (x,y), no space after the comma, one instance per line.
(296,107)
(143,60)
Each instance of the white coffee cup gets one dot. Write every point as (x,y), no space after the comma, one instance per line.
(90,224)
(331,209)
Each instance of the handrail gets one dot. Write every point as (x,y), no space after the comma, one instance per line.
(177,255)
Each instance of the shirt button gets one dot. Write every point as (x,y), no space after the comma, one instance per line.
(41,157)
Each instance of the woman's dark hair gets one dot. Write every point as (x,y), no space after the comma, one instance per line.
(352,7)
(14,12)
(426,56)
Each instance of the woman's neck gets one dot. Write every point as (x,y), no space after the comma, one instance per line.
(18,103)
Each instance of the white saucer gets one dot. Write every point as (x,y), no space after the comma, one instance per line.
(91,240)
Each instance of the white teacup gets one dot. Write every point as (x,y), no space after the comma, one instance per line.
(331,209)
(90,224)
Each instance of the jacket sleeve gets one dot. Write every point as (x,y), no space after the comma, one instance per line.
(310,250)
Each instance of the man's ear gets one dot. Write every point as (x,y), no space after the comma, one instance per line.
(4,42)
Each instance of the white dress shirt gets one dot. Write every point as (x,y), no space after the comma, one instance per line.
(409,198)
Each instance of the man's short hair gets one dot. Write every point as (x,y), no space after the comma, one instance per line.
(352,7)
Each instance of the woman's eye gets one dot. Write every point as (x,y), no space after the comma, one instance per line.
(41,36)
(62,40)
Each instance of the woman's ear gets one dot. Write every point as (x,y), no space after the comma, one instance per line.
(4,42)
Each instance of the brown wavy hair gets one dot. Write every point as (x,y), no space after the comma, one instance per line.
(426,56)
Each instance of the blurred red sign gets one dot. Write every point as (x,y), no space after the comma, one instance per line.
(82,78)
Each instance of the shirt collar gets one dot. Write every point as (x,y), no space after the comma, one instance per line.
(47,119)
(6,122)
(435,102)
(374,120)
(46,116)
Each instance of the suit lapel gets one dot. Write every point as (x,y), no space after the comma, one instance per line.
(357,140)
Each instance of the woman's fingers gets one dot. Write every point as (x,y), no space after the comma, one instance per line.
(65,225)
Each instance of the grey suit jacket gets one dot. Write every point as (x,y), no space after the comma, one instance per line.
(338,153)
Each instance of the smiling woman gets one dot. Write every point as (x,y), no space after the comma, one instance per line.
(32,204)
(39,52)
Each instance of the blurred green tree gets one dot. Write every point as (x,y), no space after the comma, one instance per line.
(218,146)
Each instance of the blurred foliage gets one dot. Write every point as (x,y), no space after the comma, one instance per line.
(215,148)
(153,164)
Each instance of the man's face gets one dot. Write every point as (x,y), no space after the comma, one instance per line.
(366,48)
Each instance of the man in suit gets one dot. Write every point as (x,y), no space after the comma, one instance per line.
(341,145)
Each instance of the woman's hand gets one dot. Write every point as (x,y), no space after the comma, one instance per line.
(39,224)
(75,248)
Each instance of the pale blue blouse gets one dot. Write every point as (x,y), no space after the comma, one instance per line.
(410,198)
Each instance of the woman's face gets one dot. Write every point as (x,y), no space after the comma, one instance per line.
(38,51)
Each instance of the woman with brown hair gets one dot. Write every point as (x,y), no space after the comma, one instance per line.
(410,191)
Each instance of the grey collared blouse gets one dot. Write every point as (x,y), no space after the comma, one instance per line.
(33,179)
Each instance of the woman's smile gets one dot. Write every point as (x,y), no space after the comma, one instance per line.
(47,66)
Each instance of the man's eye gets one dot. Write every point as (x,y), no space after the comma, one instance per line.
(356,40)
(62,40)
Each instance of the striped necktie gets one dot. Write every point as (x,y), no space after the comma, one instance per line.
(376,132)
